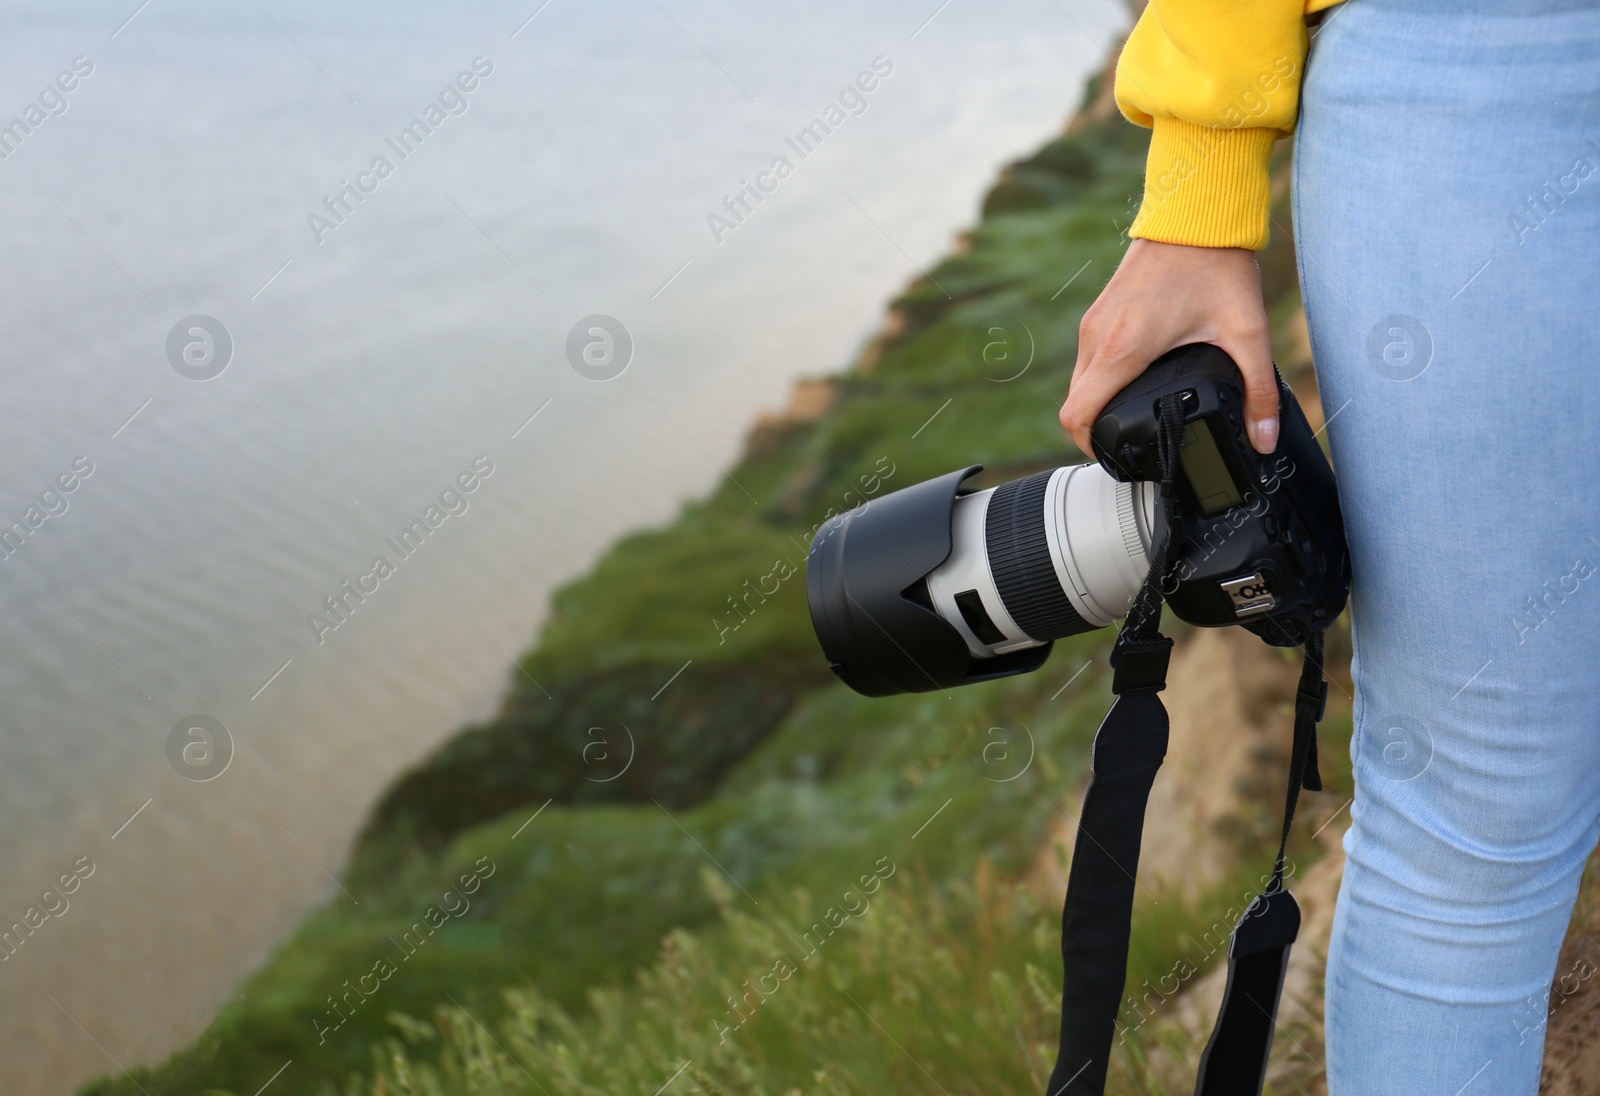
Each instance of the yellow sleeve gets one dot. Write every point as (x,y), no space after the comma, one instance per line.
(1217,82)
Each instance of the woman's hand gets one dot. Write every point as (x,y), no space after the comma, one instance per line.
(1163,296)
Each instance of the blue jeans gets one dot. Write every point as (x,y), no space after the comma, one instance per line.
(1447,208)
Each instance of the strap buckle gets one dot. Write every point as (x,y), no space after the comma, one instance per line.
(1312,702)
(1140,664)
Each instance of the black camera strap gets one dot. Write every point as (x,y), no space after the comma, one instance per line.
(1235,1059)
(1096,917)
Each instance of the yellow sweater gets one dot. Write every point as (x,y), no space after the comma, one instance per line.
(1217,82)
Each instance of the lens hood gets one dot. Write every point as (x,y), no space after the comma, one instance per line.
(865,581)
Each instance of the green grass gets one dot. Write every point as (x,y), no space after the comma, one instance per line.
(678,583)
(763,1008)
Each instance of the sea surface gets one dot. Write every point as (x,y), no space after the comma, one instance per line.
(239,354)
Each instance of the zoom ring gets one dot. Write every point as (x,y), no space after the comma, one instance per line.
(1019,558)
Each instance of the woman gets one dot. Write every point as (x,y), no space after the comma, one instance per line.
(1447,212)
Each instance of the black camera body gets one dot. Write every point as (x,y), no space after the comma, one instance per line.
(940,584)
(1261,540)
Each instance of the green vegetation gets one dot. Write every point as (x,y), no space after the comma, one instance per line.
(570,933)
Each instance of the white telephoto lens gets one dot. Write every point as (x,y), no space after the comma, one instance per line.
(1044,557)
(1100,531)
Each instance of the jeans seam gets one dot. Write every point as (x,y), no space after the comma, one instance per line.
(1357,708)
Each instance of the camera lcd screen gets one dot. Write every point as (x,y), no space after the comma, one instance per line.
(1202,462)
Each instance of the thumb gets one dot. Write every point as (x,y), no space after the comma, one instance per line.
(1253,355)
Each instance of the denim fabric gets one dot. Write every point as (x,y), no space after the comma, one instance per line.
(1447,209)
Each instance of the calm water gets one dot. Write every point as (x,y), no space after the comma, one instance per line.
(376,355)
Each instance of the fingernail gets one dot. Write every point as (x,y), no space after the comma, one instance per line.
(1264,435)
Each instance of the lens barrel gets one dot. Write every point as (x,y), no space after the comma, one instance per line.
(1016,535)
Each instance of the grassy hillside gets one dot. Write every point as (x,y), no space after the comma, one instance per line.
(789,888)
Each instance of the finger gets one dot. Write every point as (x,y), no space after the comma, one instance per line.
(1078,433)
(1114,366)
(1076,416)
(1087,338)
(1068,415)
(1252,352)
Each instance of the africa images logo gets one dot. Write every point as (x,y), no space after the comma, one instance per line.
(450,102)
(851,102)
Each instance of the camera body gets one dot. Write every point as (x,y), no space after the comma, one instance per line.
(938,584)
(1261,540)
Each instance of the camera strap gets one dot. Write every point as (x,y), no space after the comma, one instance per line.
(1235,1059)
(1096,918)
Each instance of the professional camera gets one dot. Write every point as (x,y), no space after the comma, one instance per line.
(938,585)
